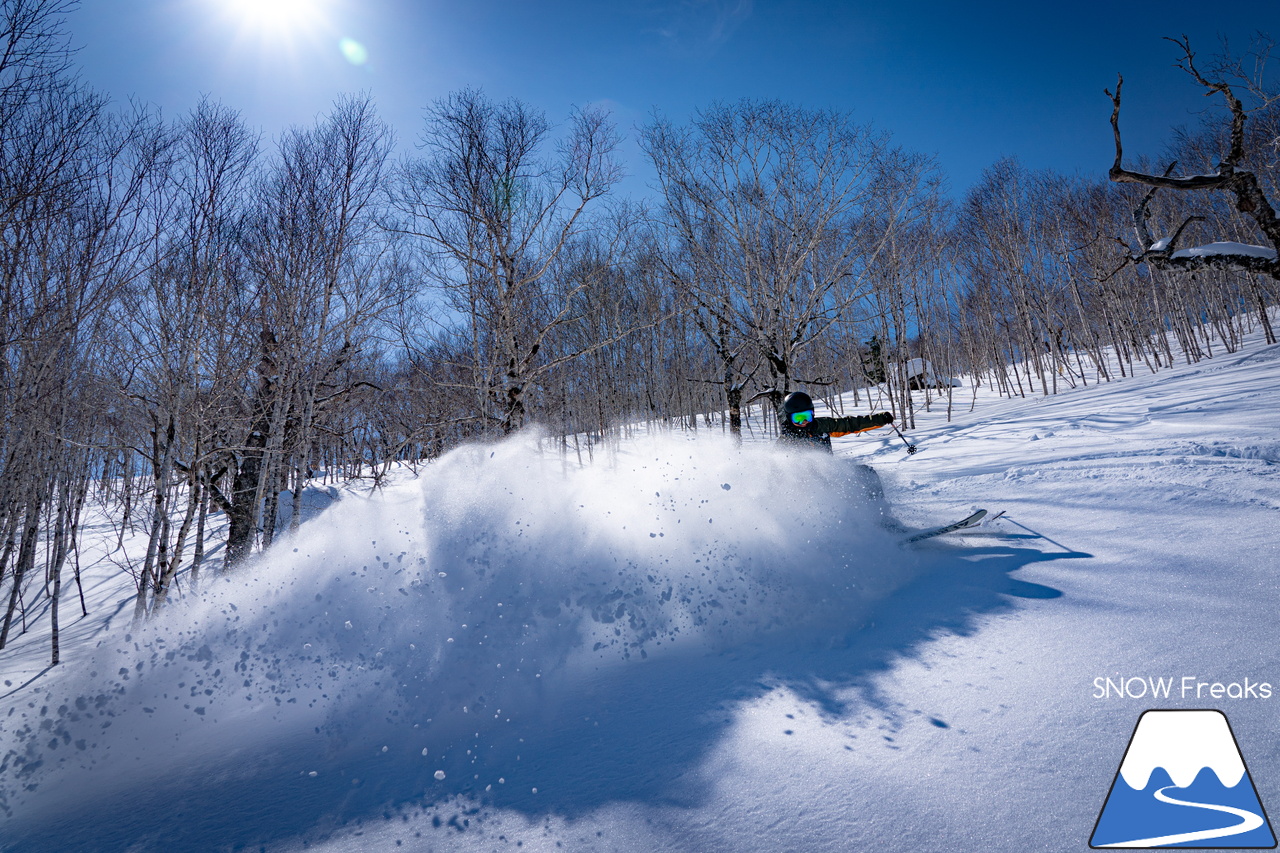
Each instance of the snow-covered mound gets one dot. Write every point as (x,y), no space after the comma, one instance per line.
(404,627)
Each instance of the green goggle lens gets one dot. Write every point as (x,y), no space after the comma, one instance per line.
(801,418)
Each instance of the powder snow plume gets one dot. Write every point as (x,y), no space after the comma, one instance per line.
(392,630)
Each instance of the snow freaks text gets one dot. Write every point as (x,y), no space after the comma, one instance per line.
(1186,687)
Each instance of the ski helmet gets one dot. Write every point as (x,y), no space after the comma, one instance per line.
(797,401)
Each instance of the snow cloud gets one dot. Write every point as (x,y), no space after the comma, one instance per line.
(454,604)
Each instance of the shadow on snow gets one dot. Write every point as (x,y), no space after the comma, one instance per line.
(634,733)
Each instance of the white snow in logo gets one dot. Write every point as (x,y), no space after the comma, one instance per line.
(1183,743)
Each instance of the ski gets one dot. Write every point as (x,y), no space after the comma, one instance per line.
(947,528)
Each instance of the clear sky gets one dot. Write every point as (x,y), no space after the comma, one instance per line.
(967,82)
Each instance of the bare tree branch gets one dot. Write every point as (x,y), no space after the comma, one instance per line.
(1243,184)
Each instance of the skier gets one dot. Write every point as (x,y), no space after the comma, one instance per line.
(798,426)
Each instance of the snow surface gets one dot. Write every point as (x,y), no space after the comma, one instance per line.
(684,646)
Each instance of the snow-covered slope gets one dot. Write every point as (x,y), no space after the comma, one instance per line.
(686,646)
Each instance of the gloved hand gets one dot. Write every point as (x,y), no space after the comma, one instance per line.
(883,418)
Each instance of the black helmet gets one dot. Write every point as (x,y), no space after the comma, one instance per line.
(797,401)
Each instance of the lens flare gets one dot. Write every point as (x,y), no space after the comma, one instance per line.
(354,51)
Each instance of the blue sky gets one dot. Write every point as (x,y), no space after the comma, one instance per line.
(969,83)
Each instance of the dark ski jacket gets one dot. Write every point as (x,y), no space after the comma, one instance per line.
(817,433)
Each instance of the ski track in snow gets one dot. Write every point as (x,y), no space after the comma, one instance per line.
(683,646)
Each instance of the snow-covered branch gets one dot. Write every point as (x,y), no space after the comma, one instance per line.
(1249,196)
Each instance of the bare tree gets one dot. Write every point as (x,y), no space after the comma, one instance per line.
(174,333)
(497,211)
(35,60)
(780,213)
(1230,176)
(68,251)
(317,273)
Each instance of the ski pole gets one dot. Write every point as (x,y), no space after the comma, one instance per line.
(911,448)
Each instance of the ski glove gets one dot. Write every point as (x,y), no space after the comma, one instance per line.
(882,418)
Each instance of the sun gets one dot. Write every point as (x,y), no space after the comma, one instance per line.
(276,17)
(285,33)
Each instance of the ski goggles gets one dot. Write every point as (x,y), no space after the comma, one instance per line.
(801,418)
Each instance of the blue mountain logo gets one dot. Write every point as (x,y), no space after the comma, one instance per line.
(1183,783)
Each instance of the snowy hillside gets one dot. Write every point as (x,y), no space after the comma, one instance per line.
(686,646)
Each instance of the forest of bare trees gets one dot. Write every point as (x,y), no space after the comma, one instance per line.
(197,322)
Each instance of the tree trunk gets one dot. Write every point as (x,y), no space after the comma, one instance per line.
(197,555)
(242,514)
(26,559)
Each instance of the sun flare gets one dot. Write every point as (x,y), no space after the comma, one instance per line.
(276,16)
